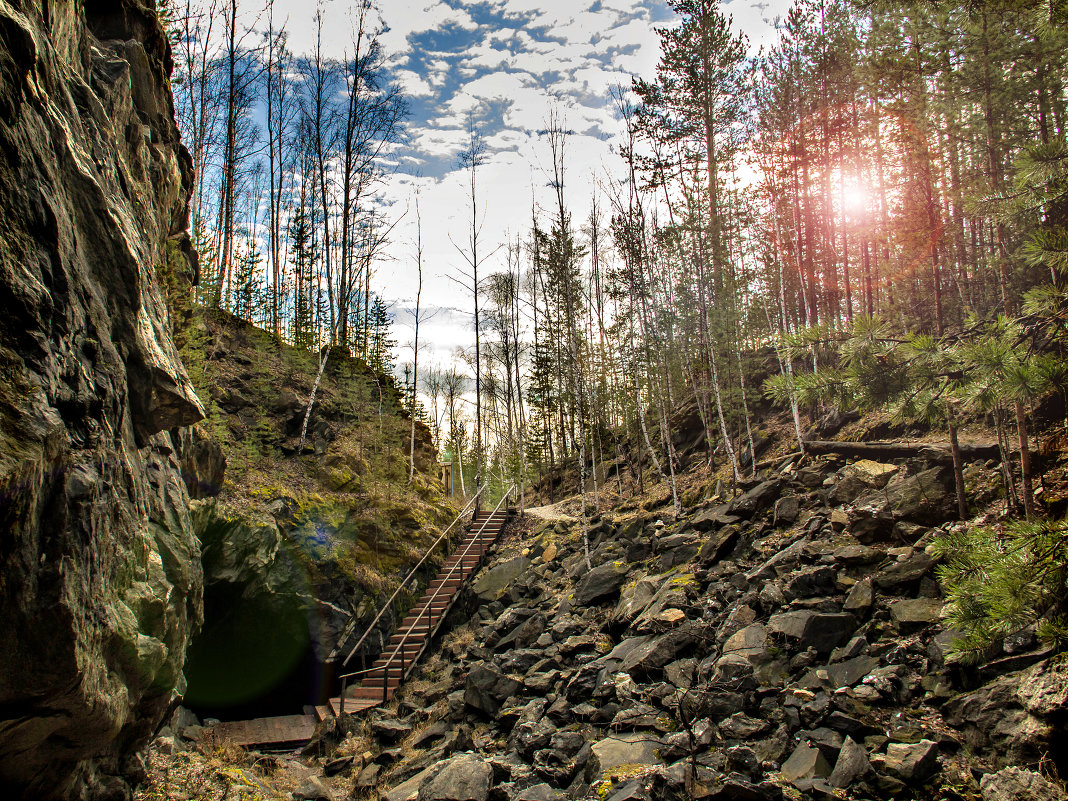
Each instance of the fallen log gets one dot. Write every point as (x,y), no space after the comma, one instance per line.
(931,451)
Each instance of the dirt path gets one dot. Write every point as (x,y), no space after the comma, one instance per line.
(553,512)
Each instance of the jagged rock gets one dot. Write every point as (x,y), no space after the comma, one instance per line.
(742,727)
(657,652)
(634,599)
(907,572)
(369,776)
(1015,714)
(1020,784)
(854,555)
(913,763)
(623,749)
(313,789)
(811,581)
(486,689)
(463,777)
(94,189)
(750,643)
(807,629)
(839,674)
(539,792)
(786,510)
(923,498)
(718,545)
(716,517)
(390,731)
(860,598)
(805,762)
(600,583)
(915,613)
(338,765)
(851,765)
(757,499)
(492,583)
(780,560)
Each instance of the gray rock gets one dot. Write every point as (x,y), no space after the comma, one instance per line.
(823,631)
(786,510)
(313,789)
(811,581)
(658,651)
(851,765)
(634,599)
(390,731)
(915,613)
(901,574)
(492,583)
(923,498)
(369,776)
(782,558)
(805,762)
(913,763)
(998,716)
(1020,784)
(740,726)
(861,597)
(486,689)
(714,517)
(464,777)
(601,583)
(757,499)
(750,643)
(539,792)
(623,749)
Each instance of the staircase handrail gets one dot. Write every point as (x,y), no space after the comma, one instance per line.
(411,573)
(399,647)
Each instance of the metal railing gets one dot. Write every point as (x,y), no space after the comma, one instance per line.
(389,604)
(427,608)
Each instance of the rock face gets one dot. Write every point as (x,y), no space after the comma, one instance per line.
(101,584)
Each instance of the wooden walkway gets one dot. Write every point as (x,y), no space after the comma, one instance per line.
(395,663)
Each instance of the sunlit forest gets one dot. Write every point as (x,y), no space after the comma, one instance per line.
(873,208)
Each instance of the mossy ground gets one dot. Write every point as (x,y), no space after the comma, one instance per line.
(347,496)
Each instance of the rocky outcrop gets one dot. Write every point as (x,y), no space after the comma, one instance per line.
(101,577)
(735,654)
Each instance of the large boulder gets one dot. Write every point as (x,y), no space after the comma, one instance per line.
(101,585)
(464,777)
(1017,715)
(823,631)
(486,689)
(632,749)
(601,583)
(926,497)
(493,582)
(1020,784)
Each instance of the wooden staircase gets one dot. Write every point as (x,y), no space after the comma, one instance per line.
(405,647)
(413,635)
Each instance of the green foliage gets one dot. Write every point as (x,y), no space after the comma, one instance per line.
(999,580)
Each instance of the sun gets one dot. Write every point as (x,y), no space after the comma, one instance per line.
(854,195)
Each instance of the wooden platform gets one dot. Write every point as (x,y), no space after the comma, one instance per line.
(277,732)
(403,650)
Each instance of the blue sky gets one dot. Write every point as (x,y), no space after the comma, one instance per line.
(507,62)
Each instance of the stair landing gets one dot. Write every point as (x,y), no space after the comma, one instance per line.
(296,730)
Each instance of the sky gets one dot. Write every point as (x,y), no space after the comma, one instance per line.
(505,64)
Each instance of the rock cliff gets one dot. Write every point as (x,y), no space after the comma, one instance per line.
(101,578)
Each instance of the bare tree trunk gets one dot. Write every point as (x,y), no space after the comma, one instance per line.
(311,399)
(415,358)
